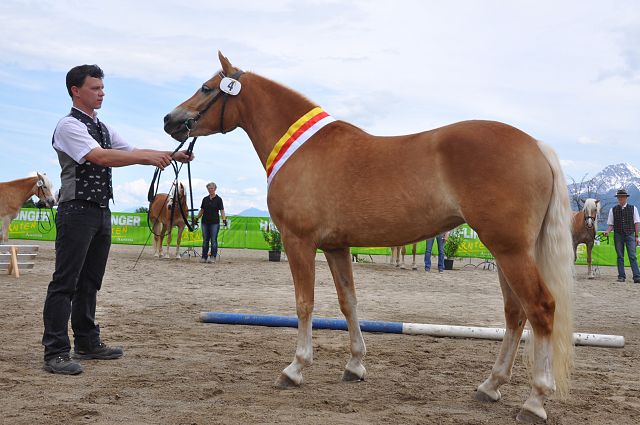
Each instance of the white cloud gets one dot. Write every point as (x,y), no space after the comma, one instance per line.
(565,72)
(584,140)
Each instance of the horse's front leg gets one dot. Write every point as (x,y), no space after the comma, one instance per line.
(342,272)
(178,239)
(301,255)
(590,274)
(169,236)
(163,230)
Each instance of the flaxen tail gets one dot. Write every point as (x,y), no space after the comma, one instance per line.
(554,254)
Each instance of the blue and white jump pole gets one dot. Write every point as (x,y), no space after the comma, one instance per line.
(594,340)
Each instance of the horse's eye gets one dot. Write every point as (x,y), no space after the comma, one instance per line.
(206,89)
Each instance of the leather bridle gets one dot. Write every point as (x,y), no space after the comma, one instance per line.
(191,122)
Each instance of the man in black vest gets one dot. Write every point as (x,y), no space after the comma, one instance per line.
(87,149)
(625,223)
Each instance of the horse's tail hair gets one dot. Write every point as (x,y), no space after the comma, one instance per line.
(554,254)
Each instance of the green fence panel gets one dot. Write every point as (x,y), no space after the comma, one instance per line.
(246,232)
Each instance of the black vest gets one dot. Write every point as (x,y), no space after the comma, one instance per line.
(93,182)
(623,219)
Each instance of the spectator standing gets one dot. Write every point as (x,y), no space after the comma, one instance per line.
(427,254)
(211,209)
(625,222)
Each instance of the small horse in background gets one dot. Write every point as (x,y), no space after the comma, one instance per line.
(15,193)
(166,211)
(584,226)
(400,251)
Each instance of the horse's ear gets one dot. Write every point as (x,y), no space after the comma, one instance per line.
(597,201)
(227,68)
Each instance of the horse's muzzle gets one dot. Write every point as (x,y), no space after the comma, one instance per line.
(175,125)
(48,202)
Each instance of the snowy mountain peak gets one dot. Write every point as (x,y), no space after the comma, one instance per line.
(617,176)
(622,171)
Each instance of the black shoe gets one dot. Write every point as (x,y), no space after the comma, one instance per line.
(100,352)
(621,279)
(63,365)
(636,280)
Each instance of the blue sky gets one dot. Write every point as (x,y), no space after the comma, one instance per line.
(568,73)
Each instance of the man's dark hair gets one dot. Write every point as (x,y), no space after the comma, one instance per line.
(77,75)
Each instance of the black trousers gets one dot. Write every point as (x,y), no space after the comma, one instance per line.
(83,241)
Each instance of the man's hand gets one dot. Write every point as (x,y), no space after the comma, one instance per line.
(224,222)
(158,159)
(606,233)
(183,156)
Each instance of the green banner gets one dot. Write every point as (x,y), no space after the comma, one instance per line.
(246,232)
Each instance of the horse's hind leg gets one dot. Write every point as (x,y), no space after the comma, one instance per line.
(523,277)
(342,273)
(515,320)
(4,231)
(395,256)
(301,255)
(413,264)
(590,274)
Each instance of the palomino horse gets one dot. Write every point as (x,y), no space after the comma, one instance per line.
(583,229)
(166,211)
(398,253)
(15,193)
(333,191)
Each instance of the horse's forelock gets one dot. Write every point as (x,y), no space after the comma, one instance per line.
(591,205)
(46,180)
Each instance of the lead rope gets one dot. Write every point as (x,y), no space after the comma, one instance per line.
(153,191)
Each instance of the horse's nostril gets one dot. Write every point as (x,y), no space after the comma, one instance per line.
(166,118)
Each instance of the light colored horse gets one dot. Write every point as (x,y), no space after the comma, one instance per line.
(15,193)
(334,191)
(166,211)
(584,227)
(398,253)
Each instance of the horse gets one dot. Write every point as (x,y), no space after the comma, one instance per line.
(166,211)
(329,188)
(584,226)
(13,194)
(399,251)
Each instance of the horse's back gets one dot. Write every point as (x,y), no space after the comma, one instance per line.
(441,178)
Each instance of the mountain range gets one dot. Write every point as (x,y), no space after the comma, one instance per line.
(606,183)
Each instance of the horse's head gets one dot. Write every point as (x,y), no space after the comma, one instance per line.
(43,189)
(591,211)
(207,111)
(182,192)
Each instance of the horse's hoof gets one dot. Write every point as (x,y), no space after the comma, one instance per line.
(348,376)
(591,277)
(486,398)
(527,417)
(285,383)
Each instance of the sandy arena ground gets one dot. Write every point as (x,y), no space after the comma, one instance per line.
(177,370)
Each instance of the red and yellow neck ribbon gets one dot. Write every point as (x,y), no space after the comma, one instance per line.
(299,132)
